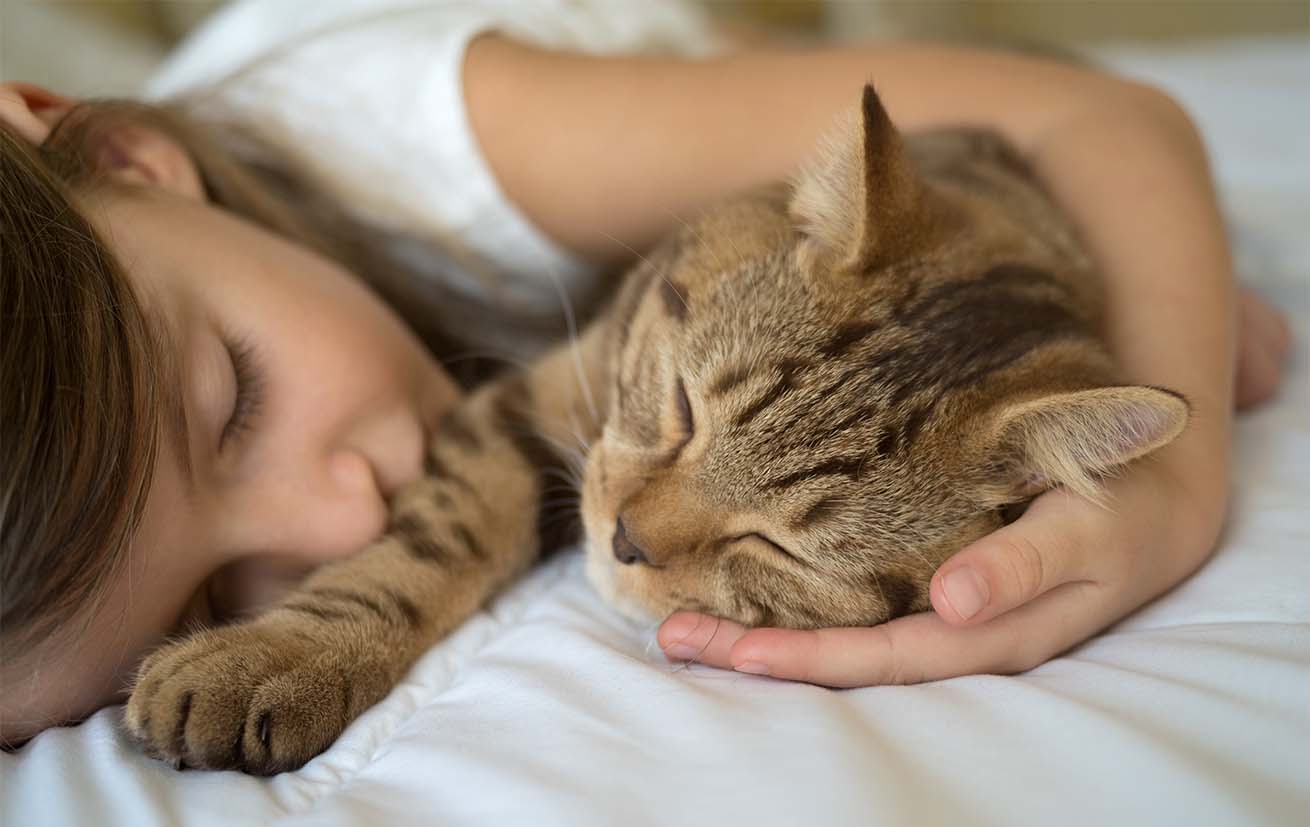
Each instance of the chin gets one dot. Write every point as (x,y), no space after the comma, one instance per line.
(604,574)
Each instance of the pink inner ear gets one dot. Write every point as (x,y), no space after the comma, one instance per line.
(1138,425)
(1033,485)
(1070,438)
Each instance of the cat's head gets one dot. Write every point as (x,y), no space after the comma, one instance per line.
(823,390)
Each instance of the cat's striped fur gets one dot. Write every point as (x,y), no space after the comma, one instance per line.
(795,409)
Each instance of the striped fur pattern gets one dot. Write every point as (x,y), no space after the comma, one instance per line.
(792,412)
(858,375)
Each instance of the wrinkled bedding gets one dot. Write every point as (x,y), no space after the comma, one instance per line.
(548,709)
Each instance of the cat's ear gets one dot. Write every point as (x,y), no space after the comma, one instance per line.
(1071,438)
(858,199)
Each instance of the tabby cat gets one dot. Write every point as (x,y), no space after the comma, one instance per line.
(794,410)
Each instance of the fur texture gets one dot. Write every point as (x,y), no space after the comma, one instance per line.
(793,411)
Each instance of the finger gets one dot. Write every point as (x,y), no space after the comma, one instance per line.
(1258,373)
(692,636)
(1264,320)
(923,647)
(1047,546)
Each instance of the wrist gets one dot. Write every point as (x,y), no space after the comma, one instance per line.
(1195,473)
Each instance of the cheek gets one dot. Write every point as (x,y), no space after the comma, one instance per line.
(625,588)
(598,524)
(256,582)
(639,592)
(343,339)
(971,529)
(597,513)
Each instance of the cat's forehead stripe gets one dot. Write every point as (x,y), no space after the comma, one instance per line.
(821,509)
(847,336)
(675,298)
(787,370)
(856,415)
(730,378)
(848,466)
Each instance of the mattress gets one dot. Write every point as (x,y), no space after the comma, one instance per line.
(549,709)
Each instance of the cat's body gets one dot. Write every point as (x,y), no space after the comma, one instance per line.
(794,411)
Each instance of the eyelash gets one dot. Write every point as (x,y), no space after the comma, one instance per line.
(250,390)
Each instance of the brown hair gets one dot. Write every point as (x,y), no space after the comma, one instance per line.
(79,407)
(80,359)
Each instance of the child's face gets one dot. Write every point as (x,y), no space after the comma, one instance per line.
(343,397)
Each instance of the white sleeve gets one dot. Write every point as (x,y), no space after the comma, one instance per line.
(373,105)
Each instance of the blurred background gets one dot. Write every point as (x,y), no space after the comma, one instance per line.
(107,47)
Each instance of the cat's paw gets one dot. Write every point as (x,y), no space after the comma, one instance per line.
(257,697)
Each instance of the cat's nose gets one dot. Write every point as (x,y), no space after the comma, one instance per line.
(626,551)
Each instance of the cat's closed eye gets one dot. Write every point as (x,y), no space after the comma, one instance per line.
(685,419)
(775,547)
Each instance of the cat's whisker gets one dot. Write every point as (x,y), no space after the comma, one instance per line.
(487,353)
(700,239)
(563,491)
(576,432)
(663,274)
(569,319)
(561,474)
(878,584)
(561,448)
(571,503)
(562,494)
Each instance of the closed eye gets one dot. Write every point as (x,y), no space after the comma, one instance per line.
(250,388)
(684,412)
(777,548)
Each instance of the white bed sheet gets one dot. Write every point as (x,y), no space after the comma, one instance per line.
(547,709)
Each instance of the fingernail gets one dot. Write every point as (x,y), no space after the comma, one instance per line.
(965,591)
(680,651)
(751,667)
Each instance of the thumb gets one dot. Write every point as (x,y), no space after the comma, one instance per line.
(1049,545)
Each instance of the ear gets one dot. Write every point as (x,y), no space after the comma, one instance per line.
(1071,438)
(858,199)
(137,154)
(32,110)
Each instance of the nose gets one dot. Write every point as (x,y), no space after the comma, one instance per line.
(626,551)
(315,509)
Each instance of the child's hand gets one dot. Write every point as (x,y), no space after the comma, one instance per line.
(1058,575)
(1263,339)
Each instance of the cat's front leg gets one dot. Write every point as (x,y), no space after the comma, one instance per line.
(263,696)
(268,694)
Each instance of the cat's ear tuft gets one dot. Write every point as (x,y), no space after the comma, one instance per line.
(1072,438)
(858,199)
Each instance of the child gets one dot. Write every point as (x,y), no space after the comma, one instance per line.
(204,401)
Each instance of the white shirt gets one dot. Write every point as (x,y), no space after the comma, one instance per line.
(368,95)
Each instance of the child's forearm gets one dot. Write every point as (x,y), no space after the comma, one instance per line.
(603,153)
(1139,187)
(1128,165)
(1122,158)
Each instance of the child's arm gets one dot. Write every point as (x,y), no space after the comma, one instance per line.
(595,149)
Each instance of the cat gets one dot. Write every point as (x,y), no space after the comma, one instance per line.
(794,410)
